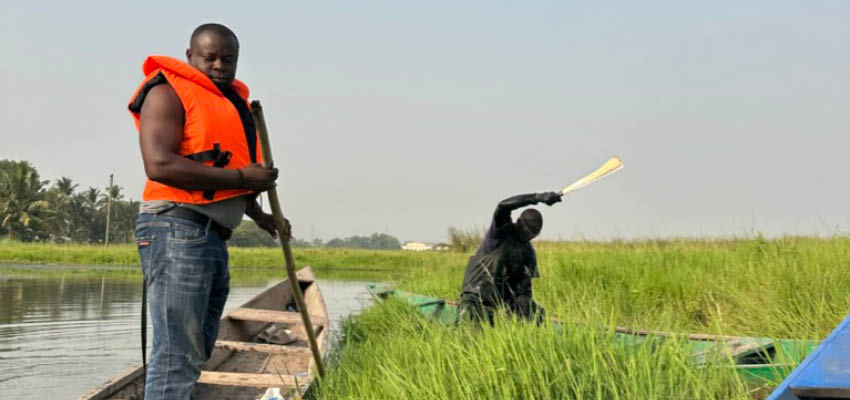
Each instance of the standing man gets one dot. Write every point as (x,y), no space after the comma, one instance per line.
(499,274)
(201,153)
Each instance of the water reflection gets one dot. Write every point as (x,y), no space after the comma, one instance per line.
(37,300)
(60,336)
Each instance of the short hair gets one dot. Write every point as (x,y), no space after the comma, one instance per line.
(217,29)
(532,219)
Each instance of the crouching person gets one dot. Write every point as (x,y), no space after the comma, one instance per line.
(499,275)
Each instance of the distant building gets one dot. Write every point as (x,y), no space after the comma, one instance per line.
(422,246)
(442,247)
(417,246)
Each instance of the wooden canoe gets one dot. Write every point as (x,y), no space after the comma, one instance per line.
(244,363)
(757,360)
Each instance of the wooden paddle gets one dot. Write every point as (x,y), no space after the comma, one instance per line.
(260,120)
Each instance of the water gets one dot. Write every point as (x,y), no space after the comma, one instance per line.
(62,336)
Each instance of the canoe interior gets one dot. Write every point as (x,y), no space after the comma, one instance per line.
(757,360)
(240,350)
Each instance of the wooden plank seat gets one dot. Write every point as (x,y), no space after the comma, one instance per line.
(280,317)
(249,380)
(262,347)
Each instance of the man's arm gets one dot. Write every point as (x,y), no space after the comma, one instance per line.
(523,304)
(160,134)
(266,221)
(522,295)
(503,210)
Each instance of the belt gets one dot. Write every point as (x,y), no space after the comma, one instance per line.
(194,216)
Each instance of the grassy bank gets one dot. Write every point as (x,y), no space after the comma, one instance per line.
(393,352)
(790,287)
(379,265)
(374,264)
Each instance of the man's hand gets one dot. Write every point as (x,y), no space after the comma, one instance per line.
(549,198)
(266,223)
(257,178)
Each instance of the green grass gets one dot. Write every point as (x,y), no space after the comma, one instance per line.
(393,352)
(787,287)
(781,288)
(37,253)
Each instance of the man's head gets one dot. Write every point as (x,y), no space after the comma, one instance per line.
(529,224)
(214,50)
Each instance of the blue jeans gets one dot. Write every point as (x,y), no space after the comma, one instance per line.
(185,266)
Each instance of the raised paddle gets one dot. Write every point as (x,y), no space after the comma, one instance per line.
(611,166)
(260,120)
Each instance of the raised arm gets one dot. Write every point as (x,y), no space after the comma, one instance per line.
(503,210)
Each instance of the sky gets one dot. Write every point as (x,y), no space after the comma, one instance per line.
(410,117)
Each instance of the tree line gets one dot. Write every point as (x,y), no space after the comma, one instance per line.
(34,209)
(248,234)
(38,210)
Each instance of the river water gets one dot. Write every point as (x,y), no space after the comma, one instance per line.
(62,335)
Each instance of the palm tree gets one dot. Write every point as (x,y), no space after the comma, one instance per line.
(104,200)
(80,217)
(90,204)
(125,213)
(22,205)
(116,195)
(61,198)
(64,186)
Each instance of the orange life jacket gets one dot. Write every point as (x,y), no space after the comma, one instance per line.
(212,131)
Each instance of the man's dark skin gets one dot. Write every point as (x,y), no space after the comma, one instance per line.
(161,131)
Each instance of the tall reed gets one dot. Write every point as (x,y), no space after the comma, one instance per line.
(392,352)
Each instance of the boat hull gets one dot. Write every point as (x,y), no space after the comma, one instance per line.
(250,355)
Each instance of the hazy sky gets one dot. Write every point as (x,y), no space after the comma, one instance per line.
(731,117)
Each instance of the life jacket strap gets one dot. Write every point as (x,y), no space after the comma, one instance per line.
(217,156)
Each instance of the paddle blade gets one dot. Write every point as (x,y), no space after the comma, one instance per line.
(612,165)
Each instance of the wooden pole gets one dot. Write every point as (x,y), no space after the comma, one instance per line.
(260,120)
(108,211)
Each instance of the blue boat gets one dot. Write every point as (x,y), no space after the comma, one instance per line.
(824,374)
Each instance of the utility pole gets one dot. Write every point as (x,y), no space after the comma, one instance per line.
(108,210)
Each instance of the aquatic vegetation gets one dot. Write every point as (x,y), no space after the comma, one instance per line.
(393,352)
(780,288)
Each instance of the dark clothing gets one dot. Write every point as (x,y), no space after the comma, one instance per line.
(502,231)
(500,272)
